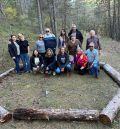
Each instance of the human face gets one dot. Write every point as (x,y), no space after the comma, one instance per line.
(35,52)
(92,33)
(49,53)
(73,38)
(62,50)
(63,32)
(74,28)
(14,38)
(91,47)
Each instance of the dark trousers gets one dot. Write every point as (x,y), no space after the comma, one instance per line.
(81,71)
(17,62)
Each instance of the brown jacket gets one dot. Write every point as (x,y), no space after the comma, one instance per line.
(72,48)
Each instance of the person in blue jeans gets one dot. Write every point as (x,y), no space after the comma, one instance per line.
(24,52)
(63,64)
(14,50)
(93,60)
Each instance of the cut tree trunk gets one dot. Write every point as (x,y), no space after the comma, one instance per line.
(102,64)
(110,111)
(4,115)
(6,73)
(56,114)
(113,73)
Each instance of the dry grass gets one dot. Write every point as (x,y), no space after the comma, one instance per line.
(77,91)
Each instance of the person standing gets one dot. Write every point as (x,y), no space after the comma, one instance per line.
(72,46)
(24,52)
(93,60)
(74,31)
(63,39)
(93,38)
(14,50)
(50,40)
(40,45)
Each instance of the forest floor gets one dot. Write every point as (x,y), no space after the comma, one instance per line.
(28,90)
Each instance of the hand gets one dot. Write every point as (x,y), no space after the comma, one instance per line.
(91,66)
(42,65)
(38,67)
(62,70)
(13,58)
(82,68)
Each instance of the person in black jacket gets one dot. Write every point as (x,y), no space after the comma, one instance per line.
(50,62)
(63,62)
(76,32)
(36,62)
(14,50)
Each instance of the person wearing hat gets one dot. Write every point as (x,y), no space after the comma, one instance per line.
(93,38)
(40,45)
(81,61)
(63,64)
(93,60)
(74,31)
(50,40)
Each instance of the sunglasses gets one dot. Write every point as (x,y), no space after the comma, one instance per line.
(47,31)
(90,46)
(40,37)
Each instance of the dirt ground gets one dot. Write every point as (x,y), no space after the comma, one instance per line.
(28,90)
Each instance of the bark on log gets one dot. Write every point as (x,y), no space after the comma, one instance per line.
(6,73)
(102,64)
(110,111)
(56,114)
(4,115)
(113,73)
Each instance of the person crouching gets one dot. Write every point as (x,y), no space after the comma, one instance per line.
(36,62)
(63,62)
(50,62)
(81,62)
(93,60)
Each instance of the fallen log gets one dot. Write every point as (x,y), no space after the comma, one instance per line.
(56,114)
(102,64)
(110,111)
(6,73)
(4,115)
(113,73)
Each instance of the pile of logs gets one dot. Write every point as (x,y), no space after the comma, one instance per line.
(107,115)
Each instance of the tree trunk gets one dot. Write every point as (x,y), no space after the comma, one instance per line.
(110,111)
(4,115)
(113,73)
(56,114)
(40,16)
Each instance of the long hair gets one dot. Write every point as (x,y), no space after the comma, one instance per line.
(59,52)
(49,49)
(11,38)
(62,34)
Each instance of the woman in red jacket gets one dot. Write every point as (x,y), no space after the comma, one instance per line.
(81,62)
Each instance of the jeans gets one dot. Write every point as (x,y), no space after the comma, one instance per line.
(67,68)
(26,62)
(17,61)
(94,70)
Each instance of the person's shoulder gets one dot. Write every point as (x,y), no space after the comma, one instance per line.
(95,50)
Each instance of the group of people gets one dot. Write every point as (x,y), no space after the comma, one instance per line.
(46,59)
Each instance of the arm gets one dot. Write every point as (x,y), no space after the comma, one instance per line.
(10,51)
(96,58)
(87,43)
(32,62)
(54,60)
